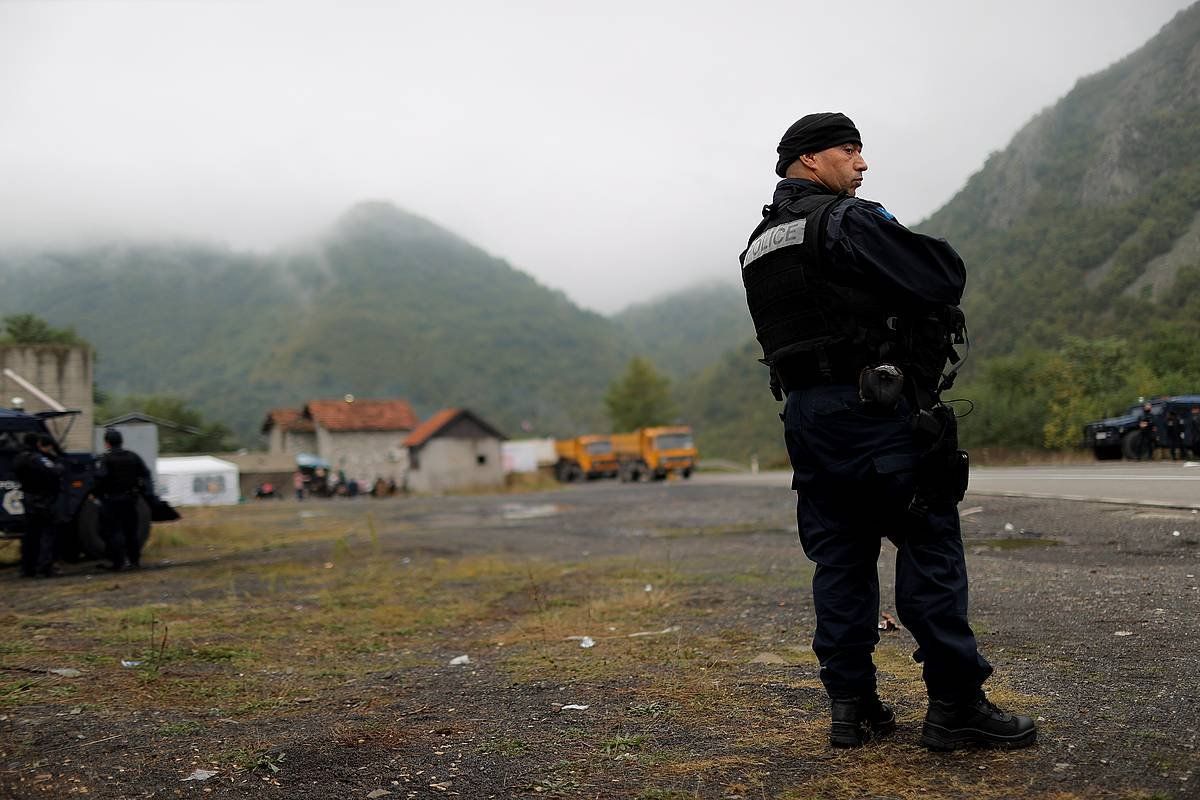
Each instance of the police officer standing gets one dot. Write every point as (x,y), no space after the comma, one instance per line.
(40,474)
(858,317)
(1147,431)
(121,477)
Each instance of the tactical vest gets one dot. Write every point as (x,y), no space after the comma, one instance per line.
(795,307)
(826,329)
(37,478)
(121,473)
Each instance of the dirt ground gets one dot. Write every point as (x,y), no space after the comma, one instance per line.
(303,650)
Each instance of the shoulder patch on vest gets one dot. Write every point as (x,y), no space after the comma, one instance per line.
(786,234)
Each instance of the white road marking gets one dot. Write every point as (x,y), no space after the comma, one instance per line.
(1086,476)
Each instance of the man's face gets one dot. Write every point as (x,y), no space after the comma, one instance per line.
(840,168)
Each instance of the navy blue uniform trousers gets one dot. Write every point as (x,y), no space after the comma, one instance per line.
(854,474)
(37,543)
(121,515)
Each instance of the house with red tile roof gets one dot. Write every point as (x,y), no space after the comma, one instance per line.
(454,449)
(288,431)
(363,438)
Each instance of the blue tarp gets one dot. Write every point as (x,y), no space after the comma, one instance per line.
(310,460)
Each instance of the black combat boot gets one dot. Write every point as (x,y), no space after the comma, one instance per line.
(976,722)
(858,720)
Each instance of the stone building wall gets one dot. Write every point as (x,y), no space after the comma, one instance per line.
(448,463)
(364,455)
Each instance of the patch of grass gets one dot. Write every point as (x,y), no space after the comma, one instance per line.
(17,692)
(715,763)
(801,654)
(10,645)
(269,761)
(243,758)
(622,744)
(734,529)
(1007,543)
(507,747)
(653,710)
(664,794)
(251,635)
(219,653)
(187,728)
(165,539)
(517,482)
(751,578)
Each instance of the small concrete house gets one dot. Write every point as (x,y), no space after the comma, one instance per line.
(454,449)
(289,431)
(363,438)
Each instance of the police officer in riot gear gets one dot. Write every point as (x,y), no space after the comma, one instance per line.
(39,472)
(858,320)
(121,478)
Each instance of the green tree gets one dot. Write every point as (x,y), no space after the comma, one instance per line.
(191,432)
(1009,397)
(32,329)
(639,398)
(1089,379)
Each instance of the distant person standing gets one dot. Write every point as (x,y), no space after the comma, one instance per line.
(1174,428)
(121,477)
(1146,431)
(1191,431)
(298,484)
(39,472)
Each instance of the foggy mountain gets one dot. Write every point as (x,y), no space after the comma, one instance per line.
(1086,225)
(1089,221)
(683,331)
(384,304)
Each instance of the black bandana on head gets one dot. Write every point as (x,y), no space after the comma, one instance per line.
(813,133)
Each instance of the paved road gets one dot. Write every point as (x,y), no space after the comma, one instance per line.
(1173,484)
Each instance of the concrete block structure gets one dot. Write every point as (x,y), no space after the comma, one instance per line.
(289,431)
(454,449)
(61,372)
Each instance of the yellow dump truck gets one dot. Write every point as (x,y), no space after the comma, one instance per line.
(654,453)
(584,458)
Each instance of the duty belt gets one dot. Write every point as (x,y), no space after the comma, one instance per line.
(803,371)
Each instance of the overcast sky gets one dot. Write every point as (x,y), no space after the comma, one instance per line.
(614,150)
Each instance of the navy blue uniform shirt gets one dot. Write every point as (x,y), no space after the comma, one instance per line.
(881,255)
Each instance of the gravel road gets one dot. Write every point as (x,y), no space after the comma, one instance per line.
(1090,613)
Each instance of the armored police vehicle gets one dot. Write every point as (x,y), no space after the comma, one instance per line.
(78,534)
(1119,437)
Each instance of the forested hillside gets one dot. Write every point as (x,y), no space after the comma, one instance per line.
(683,332)
(385,304)
(1082,240)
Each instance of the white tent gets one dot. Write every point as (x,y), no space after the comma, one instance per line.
(198,481)
(527,455)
